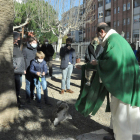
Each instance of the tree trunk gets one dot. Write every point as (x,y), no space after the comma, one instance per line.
(8,100)
(59,44)
(58,48)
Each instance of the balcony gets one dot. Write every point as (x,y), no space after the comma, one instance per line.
(100,20)
(100,9)
(108,6)
(136,26)
(136,10)
(84,35)
(108,19)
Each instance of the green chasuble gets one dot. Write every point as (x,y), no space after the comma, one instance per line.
(119,71)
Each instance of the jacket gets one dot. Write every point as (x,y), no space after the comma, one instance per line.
(29,54)
(18,60)
(38,67)
(64,54)
(48,51)
(91,53)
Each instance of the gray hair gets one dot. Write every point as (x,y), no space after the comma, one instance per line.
(16,35)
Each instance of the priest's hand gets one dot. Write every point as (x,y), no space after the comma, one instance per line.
(94,62)
(78,67)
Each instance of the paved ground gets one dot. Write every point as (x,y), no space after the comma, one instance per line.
(35,124)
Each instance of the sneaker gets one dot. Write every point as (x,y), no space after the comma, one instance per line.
(88,83)
(62,91)
(69,91)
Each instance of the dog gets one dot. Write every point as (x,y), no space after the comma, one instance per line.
(61,113)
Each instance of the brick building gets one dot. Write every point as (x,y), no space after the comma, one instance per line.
(120,15)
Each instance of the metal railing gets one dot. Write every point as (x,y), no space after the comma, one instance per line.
(80,49)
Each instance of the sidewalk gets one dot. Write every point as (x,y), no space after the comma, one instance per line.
(35,124)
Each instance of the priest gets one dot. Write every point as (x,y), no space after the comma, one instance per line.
(118,74)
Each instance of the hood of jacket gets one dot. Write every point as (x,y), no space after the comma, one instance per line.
(30,47)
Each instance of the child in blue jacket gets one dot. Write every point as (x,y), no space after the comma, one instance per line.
(38,68)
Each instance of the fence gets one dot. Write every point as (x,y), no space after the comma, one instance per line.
(80,49)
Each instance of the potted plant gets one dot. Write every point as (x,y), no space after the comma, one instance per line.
(78,60)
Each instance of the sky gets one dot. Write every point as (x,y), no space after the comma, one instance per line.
(58,4)
(66,5)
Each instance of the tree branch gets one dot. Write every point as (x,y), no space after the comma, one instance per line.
(26,22)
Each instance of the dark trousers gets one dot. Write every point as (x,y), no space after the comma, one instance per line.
(29,85)
(49,64)
(18,84)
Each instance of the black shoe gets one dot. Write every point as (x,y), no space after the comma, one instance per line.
(48,104)
(20,108)
(108,138)
(20,104)
(110,131)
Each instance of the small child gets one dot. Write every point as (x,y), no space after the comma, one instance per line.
(38,67)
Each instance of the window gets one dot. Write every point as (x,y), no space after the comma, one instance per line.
(92,28)
(128,5)
(118,9)
(100,4)
(127,35)
(100,14)
(114,23)
(128,21)
(124,7)
(89,29)
(108,13)
(108,1)
(136,4)
(94,7)
(95,28)
(94,17)
(136,18)
(118,23)
(123,21)
(136,33)
(114,10)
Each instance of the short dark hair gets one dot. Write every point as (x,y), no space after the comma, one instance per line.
(69,40)
(31,39)
(16,35)
(104,27)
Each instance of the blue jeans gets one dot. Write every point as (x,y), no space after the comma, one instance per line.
(66,75)
(29,85)
(38,84)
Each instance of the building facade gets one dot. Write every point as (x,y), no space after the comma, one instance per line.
(121,15)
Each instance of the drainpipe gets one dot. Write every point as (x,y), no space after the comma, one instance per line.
(139,28)
(132,23)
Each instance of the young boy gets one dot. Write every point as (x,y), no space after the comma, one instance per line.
(38,68)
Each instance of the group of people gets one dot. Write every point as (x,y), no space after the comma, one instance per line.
(111,69)
(32,61)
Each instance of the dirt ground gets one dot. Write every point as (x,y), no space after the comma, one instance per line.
(35,124)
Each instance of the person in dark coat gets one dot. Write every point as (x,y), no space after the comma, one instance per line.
(48,50)
(92,52)
(29,54)
(68,60)
(38,68)
(19,66)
